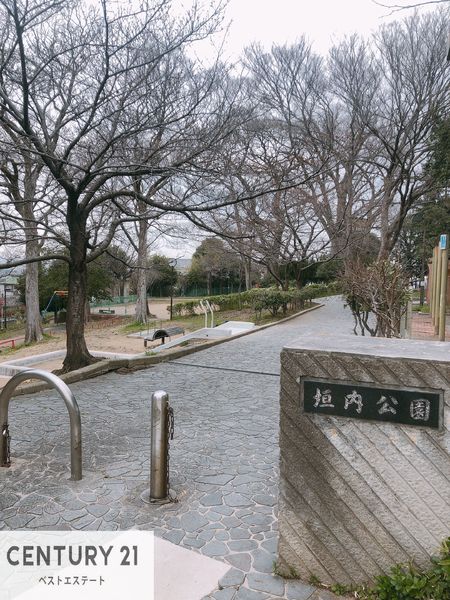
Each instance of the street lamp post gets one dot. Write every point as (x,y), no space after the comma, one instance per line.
(4,305)
(172,266)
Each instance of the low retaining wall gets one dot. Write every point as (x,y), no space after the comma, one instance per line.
(360,493)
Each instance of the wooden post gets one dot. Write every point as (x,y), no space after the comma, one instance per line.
(433,284)
(443,286)
(437,293)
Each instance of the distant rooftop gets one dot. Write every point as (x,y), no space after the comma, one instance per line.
(8,279)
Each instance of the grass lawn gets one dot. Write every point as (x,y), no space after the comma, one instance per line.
(422,309)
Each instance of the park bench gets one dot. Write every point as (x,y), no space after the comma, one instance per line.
(161,334)
(106,311)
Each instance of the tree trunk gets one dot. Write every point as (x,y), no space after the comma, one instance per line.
(141,291)
(87,311)
(248,274)
(78,355)
(33,327)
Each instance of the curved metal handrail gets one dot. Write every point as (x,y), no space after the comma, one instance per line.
(211,310)
(72,407)
(205,311)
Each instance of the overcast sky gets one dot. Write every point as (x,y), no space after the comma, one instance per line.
(281,21)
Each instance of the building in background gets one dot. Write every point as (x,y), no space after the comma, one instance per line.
(9,290)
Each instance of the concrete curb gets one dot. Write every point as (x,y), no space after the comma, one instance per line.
(143,362)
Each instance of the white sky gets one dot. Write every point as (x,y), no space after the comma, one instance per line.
(281,21)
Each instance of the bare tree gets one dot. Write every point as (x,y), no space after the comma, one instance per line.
(26,203)
(323,139)
(377,296)
(141,235)
(76,88)
(288,137)
(408,94)
(398,7)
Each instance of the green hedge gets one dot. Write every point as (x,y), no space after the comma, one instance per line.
(259,299)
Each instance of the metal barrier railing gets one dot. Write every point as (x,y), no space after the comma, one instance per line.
(72,407)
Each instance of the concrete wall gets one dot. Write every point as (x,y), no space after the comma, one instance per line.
(357,497)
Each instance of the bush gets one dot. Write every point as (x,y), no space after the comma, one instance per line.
(405,582)
(381,290)
(258,299)
(272,300)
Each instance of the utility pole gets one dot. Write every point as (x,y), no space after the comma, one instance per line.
(4,305)
(173,263)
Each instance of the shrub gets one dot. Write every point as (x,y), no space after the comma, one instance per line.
(258,299)
(406,582)
(381,290)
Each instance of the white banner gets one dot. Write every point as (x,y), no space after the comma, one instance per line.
(66,565)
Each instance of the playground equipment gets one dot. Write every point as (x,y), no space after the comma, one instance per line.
(162,334)
(56,294)
(72,407)
(206,307)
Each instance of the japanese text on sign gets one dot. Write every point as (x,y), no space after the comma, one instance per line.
(356,400)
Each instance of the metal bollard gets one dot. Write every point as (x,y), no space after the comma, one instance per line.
(161,431)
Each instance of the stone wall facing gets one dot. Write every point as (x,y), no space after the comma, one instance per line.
(357,497)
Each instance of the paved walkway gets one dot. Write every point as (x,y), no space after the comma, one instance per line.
(224,457)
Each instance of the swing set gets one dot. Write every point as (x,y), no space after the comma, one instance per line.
(55,303)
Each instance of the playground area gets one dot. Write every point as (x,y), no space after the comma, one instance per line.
(105,335)
(117,336)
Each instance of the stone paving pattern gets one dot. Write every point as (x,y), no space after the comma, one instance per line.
(224,457)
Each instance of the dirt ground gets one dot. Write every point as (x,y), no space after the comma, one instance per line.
(157,308)
(106,339)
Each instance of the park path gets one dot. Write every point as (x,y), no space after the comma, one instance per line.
(260,351)
(224,457)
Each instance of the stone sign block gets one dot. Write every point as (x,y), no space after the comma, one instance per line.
(363,488)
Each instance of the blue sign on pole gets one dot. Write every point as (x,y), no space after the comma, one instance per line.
(443,242)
